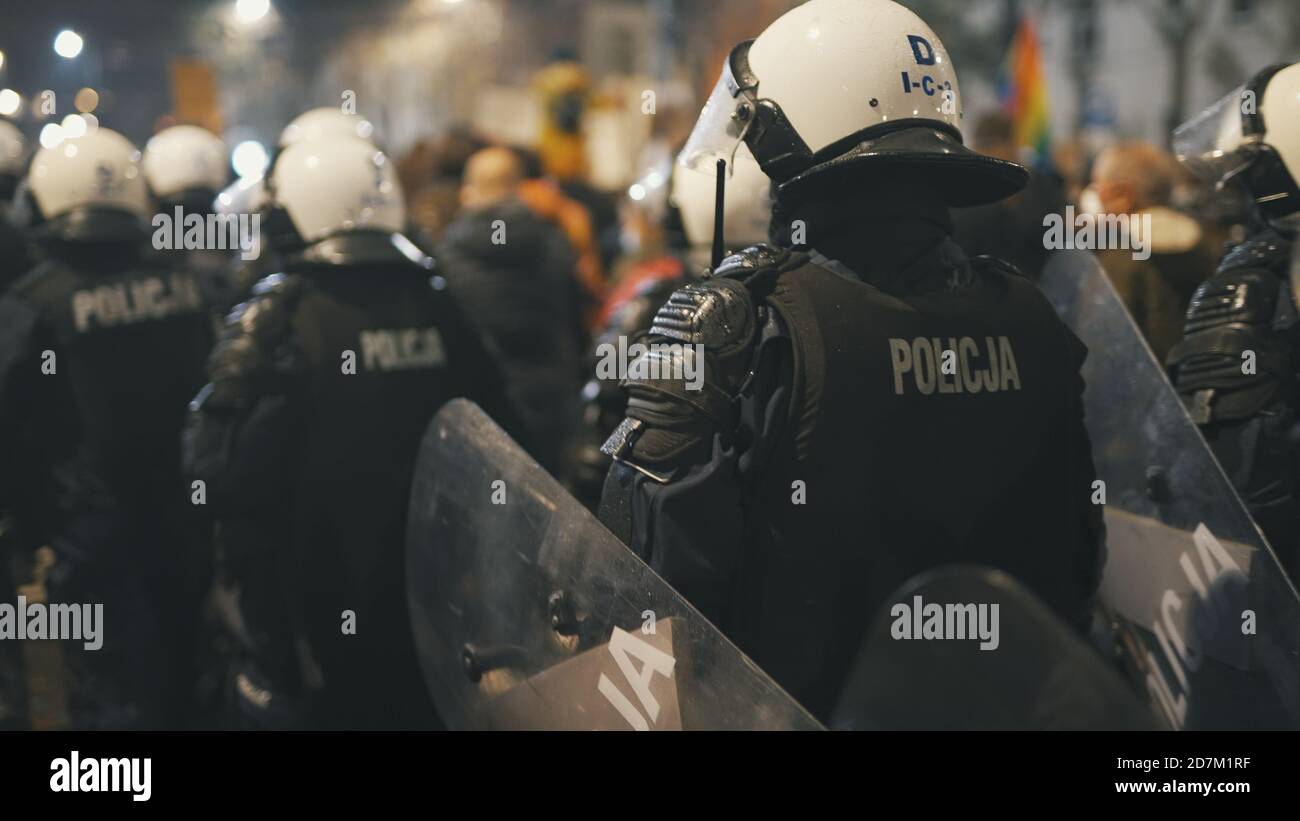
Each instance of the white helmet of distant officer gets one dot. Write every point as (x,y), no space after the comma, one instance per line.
(835,90)
(1252,136)
(336,187)
(88,189)
(683,200)
(247,196)
(185,164)
(747,203)
(319,123)
(326,122)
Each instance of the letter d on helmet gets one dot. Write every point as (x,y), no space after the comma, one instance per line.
(839,90)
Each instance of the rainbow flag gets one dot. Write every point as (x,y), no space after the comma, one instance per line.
(1022,90)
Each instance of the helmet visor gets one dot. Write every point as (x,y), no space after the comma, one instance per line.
(1211,144)
(720,129)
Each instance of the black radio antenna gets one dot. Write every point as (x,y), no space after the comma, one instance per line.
(718,202)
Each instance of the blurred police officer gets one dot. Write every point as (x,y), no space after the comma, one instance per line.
(185,166)
(321,387)
(14,261)
(873,402)
(99,352)
(1236,365)
(15,258)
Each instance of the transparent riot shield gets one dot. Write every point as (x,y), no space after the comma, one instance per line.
(1006,662)
(528,614)
(1203,608)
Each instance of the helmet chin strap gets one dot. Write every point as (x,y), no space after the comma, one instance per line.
(719,202)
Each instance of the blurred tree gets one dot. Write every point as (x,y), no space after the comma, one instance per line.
(1084,23)
(1224,61)
(1263,16)
(1176,21)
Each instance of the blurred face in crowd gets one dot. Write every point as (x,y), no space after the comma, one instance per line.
(491,175)
(1132,177)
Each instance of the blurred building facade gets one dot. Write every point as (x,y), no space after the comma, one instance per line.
(418,68)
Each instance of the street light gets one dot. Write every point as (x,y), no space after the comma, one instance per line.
(51,135)
(10,102)
(249,159)
(68,44)
(73,125)
(250,11)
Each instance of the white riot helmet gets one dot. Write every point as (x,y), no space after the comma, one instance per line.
(747,203)
(1251,135)
(835,88)
(89,188)
(320,123)
(322,188)
(185,161)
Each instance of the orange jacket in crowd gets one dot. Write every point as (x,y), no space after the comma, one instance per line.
(546,200)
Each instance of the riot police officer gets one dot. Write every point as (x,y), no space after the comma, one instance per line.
(306,435)
(1236,365)
(99,352)
(873,403)
(14,261)
(15,258)
(185,166)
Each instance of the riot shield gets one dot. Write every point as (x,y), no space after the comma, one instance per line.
(528,614)
(1207,616)
(969,648)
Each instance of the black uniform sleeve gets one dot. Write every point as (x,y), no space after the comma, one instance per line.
(604,401)
(688,523)
(684,457)
(19,368)
(1245,313)
(241,436)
